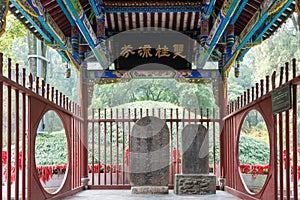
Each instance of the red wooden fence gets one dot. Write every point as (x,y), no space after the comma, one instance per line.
(23,102)
(105,124)
(282,129)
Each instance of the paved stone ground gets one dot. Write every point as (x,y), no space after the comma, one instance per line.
(126,195)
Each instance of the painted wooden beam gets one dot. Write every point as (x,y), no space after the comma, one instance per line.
(238,11)
(65,11)
(253,25)
(77,12)
(207,8)
(49,24)
(227,10)
(31,21)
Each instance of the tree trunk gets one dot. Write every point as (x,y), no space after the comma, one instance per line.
(31,51)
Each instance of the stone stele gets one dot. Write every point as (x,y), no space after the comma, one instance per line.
(195,148)
(195,178)
(149,156)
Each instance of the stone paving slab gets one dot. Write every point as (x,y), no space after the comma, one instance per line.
(126,195)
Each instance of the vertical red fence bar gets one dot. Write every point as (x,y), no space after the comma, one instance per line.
(177,142)
(9,129)
(23,137)
(117,145)
(214,140)
(287,140)
(123,147)
(110,146)
(99,145)
(105,167)
(173,165)
(17,134)
(295,136)
(93,145)
(129,132)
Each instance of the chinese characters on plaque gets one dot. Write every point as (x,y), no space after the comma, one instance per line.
(147,51)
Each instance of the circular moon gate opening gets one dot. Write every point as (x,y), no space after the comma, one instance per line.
(254,151)
(51,152)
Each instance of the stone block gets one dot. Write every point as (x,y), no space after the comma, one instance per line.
(201,184)
(150,190)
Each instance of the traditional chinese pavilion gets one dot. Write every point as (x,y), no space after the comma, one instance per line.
(106,40)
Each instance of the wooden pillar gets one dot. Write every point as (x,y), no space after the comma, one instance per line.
(75,42)
(222,108)
(230,39)
(204,32)
(83,102)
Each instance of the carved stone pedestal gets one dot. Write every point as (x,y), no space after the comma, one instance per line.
(150,190)
(195,184)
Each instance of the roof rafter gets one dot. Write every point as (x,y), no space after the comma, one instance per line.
(253,25)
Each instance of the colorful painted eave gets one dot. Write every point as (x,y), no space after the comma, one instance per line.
(53,20)
(271,11)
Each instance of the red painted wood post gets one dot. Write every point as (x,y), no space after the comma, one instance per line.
(9,130)
(242,105)
(129,132)
(295,138)
(287,139)
(123,146)
(286,72)
(252,94)
(281,76)
(17,73)
(24,138)
(99,144)
(248,96)
(281,155)
(52,94)
(64,101)
(17,134)
(43,88)
(67,103)
(93,145)
(1,122)
(24,77)
(256,90)
(294,67)
(37,82)
(30,81)
(173,165)
(48,91)
(261,87)
(267,84)
(110,146)
(105,117)
(117,143)
(274,80)
(177,142)
(60,100)
(214,141)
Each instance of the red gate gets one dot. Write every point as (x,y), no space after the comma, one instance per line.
(109,131)
(26,101)
(282,127)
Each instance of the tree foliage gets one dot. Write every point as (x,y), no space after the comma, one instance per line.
(13,41)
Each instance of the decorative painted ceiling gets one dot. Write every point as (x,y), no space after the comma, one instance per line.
(225,29)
